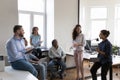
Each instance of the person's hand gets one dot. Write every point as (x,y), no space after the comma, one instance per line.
(97,49)
(58,58)
(29,49)
(75,44)
(100,52)
(36,62)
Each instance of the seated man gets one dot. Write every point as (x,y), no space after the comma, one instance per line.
(39,65)
(56,55)
(16,50)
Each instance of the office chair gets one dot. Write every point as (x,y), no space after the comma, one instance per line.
(56,71)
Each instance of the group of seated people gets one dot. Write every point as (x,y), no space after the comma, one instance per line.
(29,59)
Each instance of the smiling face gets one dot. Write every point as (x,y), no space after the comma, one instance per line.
(36,31)
(101,35)
(104,34)
(78,30)
(55,43)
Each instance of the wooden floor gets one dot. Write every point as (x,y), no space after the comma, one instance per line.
(71,73)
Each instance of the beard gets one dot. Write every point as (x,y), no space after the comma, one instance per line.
(21,35)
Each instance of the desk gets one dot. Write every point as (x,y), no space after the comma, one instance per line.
(44,52)
(11,74)
(116,62)
(70,63)
(44,49)
(88,56)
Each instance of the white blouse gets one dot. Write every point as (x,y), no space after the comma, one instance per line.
(80,39)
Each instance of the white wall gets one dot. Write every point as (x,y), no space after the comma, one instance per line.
(65,18)
(50,22)
(8,18)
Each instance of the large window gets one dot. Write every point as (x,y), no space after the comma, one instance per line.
(117,25)
(98,18)
(99,14)
(33,13)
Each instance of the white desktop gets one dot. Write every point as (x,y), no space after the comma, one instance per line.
(89,56)
(11,74)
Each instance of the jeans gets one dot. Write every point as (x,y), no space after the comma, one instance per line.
(41,68)
(104,69)
(24,65)
(52,63)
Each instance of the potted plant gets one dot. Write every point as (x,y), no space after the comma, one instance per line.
(115,50)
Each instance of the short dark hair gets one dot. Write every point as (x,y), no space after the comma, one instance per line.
(16,27)
(54,41)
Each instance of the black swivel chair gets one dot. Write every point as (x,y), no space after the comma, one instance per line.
(57,69)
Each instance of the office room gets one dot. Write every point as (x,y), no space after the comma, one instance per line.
(56,21)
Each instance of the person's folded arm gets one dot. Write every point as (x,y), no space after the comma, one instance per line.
(14,50)
(50,54)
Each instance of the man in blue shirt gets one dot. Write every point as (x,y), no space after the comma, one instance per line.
(104,55)
(16,51)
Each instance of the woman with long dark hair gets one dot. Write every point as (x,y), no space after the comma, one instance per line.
(78,44)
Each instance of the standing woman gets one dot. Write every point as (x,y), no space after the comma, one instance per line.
(104,55)
(78,44)
(35,41)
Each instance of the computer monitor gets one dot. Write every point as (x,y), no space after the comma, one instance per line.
(88,45)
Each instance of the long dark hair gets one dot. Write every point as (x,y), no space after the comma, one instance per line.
(74,33)
(33,29)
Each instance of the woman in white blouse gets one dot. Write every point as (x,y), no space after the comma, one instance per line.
(78,44)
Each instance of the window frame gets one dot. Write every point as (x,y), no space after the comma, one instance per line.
(96,19)
(116,31)
(32,13)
